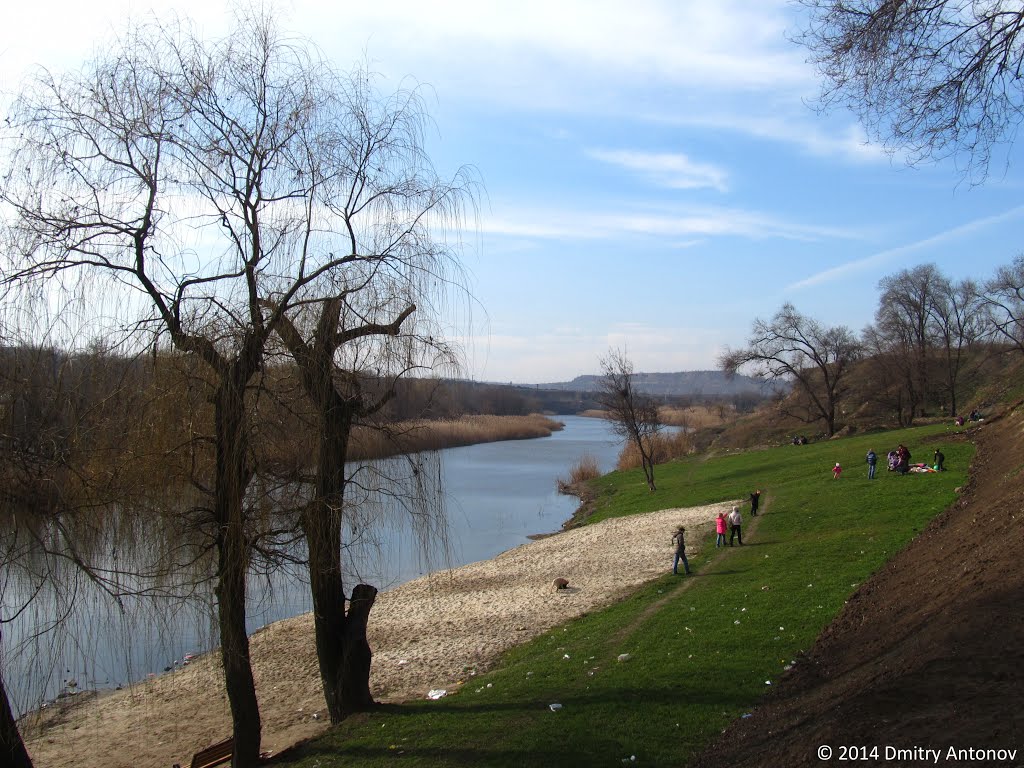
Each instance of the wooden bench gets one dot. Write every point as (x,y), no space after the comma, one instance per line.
(215,754)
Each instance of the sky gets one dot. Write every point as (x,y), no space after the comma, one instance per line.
(655,174)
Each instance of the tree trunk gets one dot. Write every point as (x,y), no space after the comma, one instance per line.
(355,670)
(327,592)
(342,648)
(648,465)
(12,748)
(232,566)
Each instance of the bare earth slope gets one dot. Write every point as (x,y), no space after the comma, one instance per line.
(929,653)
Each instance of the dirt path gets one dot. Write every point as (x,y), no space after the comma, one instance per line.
(750,525)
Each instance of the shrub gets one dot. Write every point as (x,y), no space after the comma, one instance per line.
(583,470)
(666,446)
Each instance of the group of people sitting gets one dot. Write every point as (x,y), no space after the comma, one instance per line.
(899,461)
(975,416)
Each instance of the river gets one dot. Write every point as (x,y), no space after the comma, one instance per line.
(496,495)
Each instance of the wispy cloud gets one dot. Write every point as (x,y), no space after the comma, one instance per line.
(575,51)
(689,223)
(676,171)
(813,137)
(886,256)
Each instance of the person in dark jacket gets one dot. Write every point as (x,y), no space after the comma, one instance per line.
(755,499)
(678,538)
(872,460)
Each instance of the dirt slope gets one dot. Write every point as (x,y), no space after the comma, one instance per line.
(929,653)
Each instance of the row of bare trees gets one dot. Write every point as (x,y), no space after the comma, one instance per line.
(242,201)
(926,329)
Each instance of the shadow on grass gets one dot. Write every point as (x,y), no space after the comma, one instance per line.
(587,731)
(444,756)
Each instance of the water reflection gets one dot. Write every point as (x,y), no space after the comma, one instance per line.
(496,495)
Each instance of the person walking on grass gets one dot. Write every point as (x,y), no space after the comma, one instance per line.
(836,471)
(720,527)
(678,538)
(755,499)
(872,460)
(735,521)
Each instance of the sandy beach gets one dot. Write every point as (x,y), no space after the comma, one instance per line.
(431,633)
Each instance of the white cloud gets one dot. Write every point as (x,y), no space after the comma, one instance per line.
(813,137)
(887,256)
(673,170)
(570,52)
(656,221)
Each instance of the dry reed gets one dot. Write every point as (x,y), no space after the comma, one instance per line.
(432,435)
(665,448)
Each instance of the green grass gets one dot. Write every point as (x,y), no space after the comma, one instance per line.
(701,649)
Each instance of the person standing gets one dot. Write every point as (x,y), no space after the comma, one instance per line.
(940,460)
(755,499)
(678,538)
(836,471)
(903,464)
(735,521)
(720,530)
(872,460)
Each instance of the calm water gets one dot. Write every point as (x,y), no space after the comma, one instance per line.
(496,495)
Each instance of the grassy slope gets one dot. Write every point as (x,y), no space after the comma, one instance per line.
(701,649)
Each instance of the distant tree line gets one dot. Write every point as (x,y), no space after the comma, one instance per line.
(928,334)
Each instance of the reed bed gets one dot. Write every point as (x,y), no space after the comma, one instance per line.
(586,468)
(433,435)
(665,448)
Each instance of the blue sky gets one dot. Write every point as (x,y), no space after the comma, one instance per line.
(654,177)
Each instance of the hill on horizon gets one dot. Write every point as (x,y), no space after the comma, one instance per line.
(708,383)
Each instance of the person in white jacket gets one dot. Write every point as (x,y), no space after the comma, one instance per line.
(735,521)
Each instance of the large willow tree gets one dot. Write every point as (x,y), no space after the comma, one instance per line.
(234,194)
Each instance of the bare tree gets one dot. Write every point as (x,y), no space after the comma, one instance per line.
(934,77)
(795,348)
(353,333)
(885,374)
(904,321)
(176,172)
(245,194)
(958,320)
(633,415)
(1004,301)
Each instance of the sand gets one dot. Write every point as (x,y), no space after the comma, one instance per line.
(433,633)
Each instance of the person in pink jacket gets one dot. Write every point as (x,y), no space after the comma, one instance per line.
(720,528)
(837,471)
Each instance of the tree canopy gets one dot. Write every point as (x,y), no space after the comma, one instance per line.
(932,78)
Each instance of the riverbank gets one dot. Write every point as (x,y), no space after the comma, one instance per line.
(433,633)
(438,434)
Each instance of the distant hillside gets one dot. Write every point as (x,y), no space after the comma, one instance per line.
(681,383)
